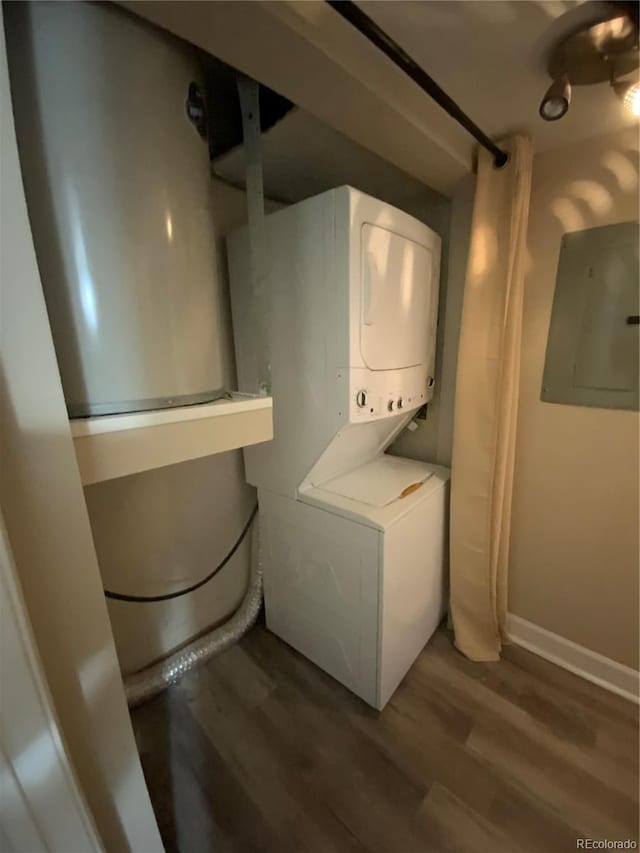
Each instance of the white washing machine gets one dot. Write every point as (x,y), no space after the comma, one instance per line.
(354,572)
(353,538)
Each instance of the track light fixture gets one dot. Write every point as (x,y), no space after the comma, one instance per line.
(556,100)
(603,52)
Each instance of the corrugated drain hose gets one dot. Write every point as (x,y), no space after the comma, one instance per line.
(144,684)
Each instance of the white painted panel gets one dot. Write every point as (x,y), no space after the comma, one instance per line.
(413,587)
(397,294)
(301,277)
(118,445)
(321,588)
(19,832)
(354,445)
(41,806)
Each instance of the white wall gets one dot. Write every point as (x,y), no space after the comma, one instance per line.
(574,540)
(161,530)
(46,519)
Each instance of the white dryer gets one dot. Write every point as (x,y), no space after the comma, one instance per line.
(353,539)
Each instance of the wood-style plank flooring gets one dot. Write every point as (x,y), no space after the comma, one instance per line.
(261,751)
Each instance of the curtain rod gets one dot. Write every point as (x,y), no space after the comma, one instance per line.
(363,23)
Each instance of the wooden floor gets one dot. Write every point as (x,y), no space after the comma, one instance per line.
(260,751)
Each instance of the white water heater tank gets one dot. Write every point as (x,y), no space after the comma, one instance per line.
(110,118)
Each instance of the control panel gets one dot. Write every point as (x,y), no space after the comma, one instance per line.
(381,394)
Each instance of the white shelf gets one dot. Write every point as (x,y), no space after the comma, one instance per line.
(116,445)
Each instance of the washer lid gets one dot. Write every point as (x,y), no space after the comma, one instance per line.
(380,517)
(381,481)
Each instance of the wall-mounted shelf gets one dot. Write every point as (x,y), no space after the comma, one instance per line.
(117,445)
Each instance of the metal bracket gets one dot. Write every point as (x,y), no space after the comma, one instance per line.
(248,91)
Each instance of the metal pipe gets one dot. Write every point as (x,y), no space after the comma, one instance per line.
(363,23)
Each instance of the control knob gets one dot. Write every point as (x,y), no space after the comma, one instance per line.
(361,399)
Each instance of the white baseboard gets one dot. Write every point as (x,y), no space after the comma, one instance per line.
(600,670)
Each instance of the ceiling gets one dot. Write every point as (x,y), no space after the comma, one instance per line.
(490,57)
(307,53)
(361,120)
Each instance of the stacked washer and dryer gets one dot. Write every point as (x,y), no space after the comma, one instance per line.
(353,539)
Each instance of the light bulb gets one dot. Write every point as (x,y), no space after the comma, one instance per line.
(556,100)
(553,108)
(631,101)
(629,94)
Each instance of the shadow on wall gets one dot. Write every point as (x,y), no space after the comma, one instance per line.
(584,200)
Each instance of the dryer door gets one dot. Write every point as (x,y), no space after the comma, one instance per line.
(399,298)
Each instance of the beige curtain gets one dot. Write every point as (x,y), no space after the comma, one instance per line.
(486,402)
